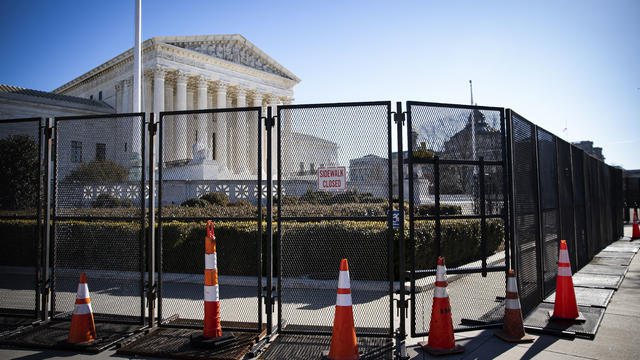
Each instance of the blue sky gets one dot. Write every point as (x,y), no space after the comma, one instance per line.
(555,62)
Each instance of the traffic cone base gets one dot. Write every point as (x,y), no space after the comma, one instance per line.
(456,349)
(580,319)
(523,339)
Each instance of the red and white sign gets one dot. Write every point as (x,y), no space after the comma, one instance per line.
(332,178)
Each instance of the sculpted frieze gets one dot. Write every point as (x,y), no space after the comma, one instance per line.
(232,51)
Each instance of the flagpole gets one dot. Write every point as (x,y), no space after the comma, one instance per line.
(137,63)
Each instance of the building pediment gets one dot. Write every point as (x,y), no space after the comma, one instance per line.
(232,48)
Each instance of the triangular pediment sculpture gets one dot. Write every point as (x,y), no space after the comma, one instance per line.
(233,48)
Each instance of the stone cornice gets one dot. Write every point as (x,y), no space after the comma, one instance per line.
(157,44)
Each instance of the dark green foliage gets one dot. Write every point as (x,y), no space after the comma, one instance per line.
(110,201)
(445,209)
(313,249)
(239,203)
(18,172)
(215,198)
(99,170)
(317,197)
(195,202)
(286,200)
(347,197)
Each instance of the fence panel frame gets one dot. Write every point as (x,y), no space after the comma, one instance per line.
(142,217)
(281,219)
(164,321)
(503,163)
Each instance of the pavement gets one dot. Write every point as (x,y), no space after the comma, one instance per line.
(616,337)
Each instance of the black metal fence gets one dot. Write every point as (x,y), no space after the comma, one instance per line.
(99,202)
(21,165)
(558,193)
(455,169)
(481,185)
(333,199)
(227,144)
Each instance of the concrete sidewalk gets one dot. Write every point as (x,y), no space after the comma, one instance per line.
(616,338)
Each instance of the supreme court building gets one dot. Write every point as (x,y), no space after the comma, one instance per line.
(199,72)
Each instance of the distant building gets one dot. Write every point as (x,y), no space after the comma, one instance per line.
(17,102)
(588,147)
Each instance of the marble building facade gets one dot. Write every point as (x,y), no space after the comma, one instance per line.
(199,72)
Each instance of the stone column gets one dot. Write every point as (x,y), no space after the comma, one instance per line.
(201,148)
(252,150)
(242,131)
(221,125)
(158,90)
(126,95)
(118,102)
(287,140)
(273,102)
(180,121)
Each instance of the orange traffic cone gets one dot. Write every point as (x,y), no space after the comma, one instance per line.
(636,228)
(344,345)
(513,328)
(212,335)
(565,307)
(441,340)
(82,329)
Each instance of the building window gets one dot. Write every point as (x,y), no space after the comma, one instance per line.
(91,97)
(312,168)
(76,151)
(301,168)
(101,152)
(125,147)
(100,95)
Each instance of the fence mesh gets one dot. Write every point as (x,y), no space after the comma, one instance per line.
(447,147)
(212,164)
(550,225)
(20,196)
(580,216)
(525,198)
(566,203)
(334,163)
(98,215)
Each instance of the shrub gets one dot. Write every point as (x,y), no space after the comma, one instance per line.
(286,200)
(240,203)
(110,201)
(430,209)
(19,169)
(195,202)
(317,197)
(99,170)
(215,198)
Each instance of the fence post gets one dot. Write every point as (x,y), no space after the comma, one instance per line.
(269,293)
(483,219)
(151,286)
(402,302)
(46,281)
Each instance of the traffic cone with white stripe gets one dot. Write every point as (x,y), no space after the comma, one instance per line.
(82,329)
(344,344)
(212,335)
(565,307)
(636,228)
(441,340)
(513,328)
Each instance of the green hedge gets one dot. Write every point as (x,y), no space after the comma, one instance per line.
(312,249)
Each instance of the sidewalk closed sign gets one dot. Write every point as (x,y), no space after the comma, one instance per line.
(332,178)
